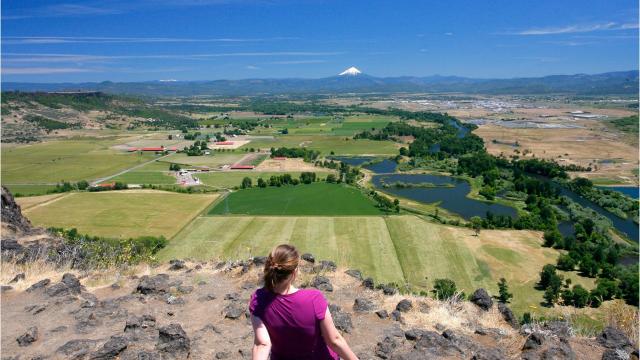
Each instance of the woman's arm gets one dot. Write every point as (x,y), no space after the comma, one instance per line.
(332,337)
(261,340)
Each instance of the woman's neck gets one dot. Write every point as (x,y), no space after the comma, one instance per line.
(285,289)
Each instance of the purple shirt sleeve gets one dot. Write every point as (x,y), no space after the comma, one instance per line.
(319,305)
(253,303)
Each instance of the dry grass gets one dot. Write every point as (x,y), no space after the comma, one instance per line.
(623,317)
(33,272)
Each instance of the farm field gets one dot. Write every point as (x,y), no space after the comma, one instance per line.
(613,159)
(396,249)
(119,214)
(304,199)
(28,189)
(216,159)
(340,145)
(70,160)
(145,177)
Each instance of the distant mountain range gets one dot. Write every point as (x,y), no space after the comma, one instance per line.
(621,82)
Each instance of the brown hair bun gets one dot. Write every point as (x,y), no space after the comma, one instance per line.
(281,263)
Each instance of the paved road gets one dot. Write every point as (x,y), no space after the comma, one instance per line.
(98,181)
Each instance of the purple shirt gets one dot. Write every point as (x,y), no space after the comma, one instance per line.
(293,322)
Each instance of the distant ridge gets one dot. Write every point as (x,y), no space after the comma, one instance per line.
(621,82)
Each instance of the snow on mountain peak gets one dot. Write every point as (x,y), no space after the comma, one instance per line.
(351,71)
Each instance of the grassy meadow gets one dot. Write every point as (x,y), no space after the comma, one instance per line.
(304,199)
(70,160)
(119,214)
(396,249)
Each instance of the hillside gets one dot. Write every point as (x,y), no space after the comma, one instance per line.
(28,117)
(199,310)
(623,82)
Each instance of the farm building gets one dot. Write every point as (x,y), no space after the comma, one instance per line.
(242,167)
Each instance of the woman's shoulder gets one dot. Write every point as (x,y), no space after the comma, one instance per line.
(311,293)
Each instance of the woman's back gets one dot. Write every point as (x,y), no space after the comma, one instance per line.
(293,322)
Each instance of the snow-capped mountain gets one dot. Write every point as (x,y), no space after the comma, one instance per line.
(352,71)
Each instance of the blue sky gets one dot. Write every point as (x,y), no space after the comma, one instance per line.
(134,40)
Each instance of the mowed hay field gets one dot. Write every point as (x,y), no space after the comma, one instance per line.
(340,145)
(305,199)
(118,214)
(70,160)
(397,249)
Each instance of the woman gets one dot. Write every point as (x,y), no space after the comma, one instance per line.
(291,323)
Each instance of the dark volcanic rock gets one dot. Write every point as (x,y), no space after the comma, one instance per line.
(534,341)
(176,265)
(30,336)
(382,314)
(389,290)
(404,305)
(322,283)
(413,334)
(482,299)
(508,315)
(612,338)
(110,349)
(341,319)
(11,213)
(17,278)
(325,265)
(76,349)
(363,305)
(70,285)
(172,339)
(396,315)
(153,285)
(354,273)
(368,283)
(385,348)
(39,285)
(259,260)
(233,311)
(308,258)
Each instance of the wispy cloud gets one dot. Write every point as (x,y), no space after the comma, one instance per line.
(60,10)
(43,70)
(252,67)
(30,40)
(577,28)
(570,43)
(79,58)
(448,34)
(297,62)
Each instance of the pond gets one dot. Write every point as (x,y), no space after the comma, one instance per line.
(453,198)
(383,167)
(631,191)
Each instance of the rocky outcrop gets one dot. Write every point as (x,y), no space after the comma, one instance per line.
(12,218)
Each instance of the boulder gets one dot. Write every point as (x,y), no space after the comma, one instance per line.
(404,305)
(342,320)
(396,315)
(322,283)
(110,349)
(325,265)
(77,349)
(259,260)
(72,283)
(482,299)
(385,348)
(17,278)
(368,283)
(157,284)
(413,334)
(308,258)
(363,305)
(29,337)
(389,290)
(176,264)
(39,285)
(382,314)
(508,315)
(534,341)
(354,273)
(172,339)
(612,338)
(233,311)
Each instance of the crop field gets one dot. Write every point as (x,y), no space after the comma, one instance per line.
(145,177)
(70,160)
(312,199)
(120,214)
(229,179)
(340,145)
(389,249)
(29,190)
(216,159)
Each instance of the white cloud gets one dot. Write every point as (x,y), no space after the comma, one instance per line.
(30,40)
(75,58)
(252,67)
(578,28)
(449,33)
